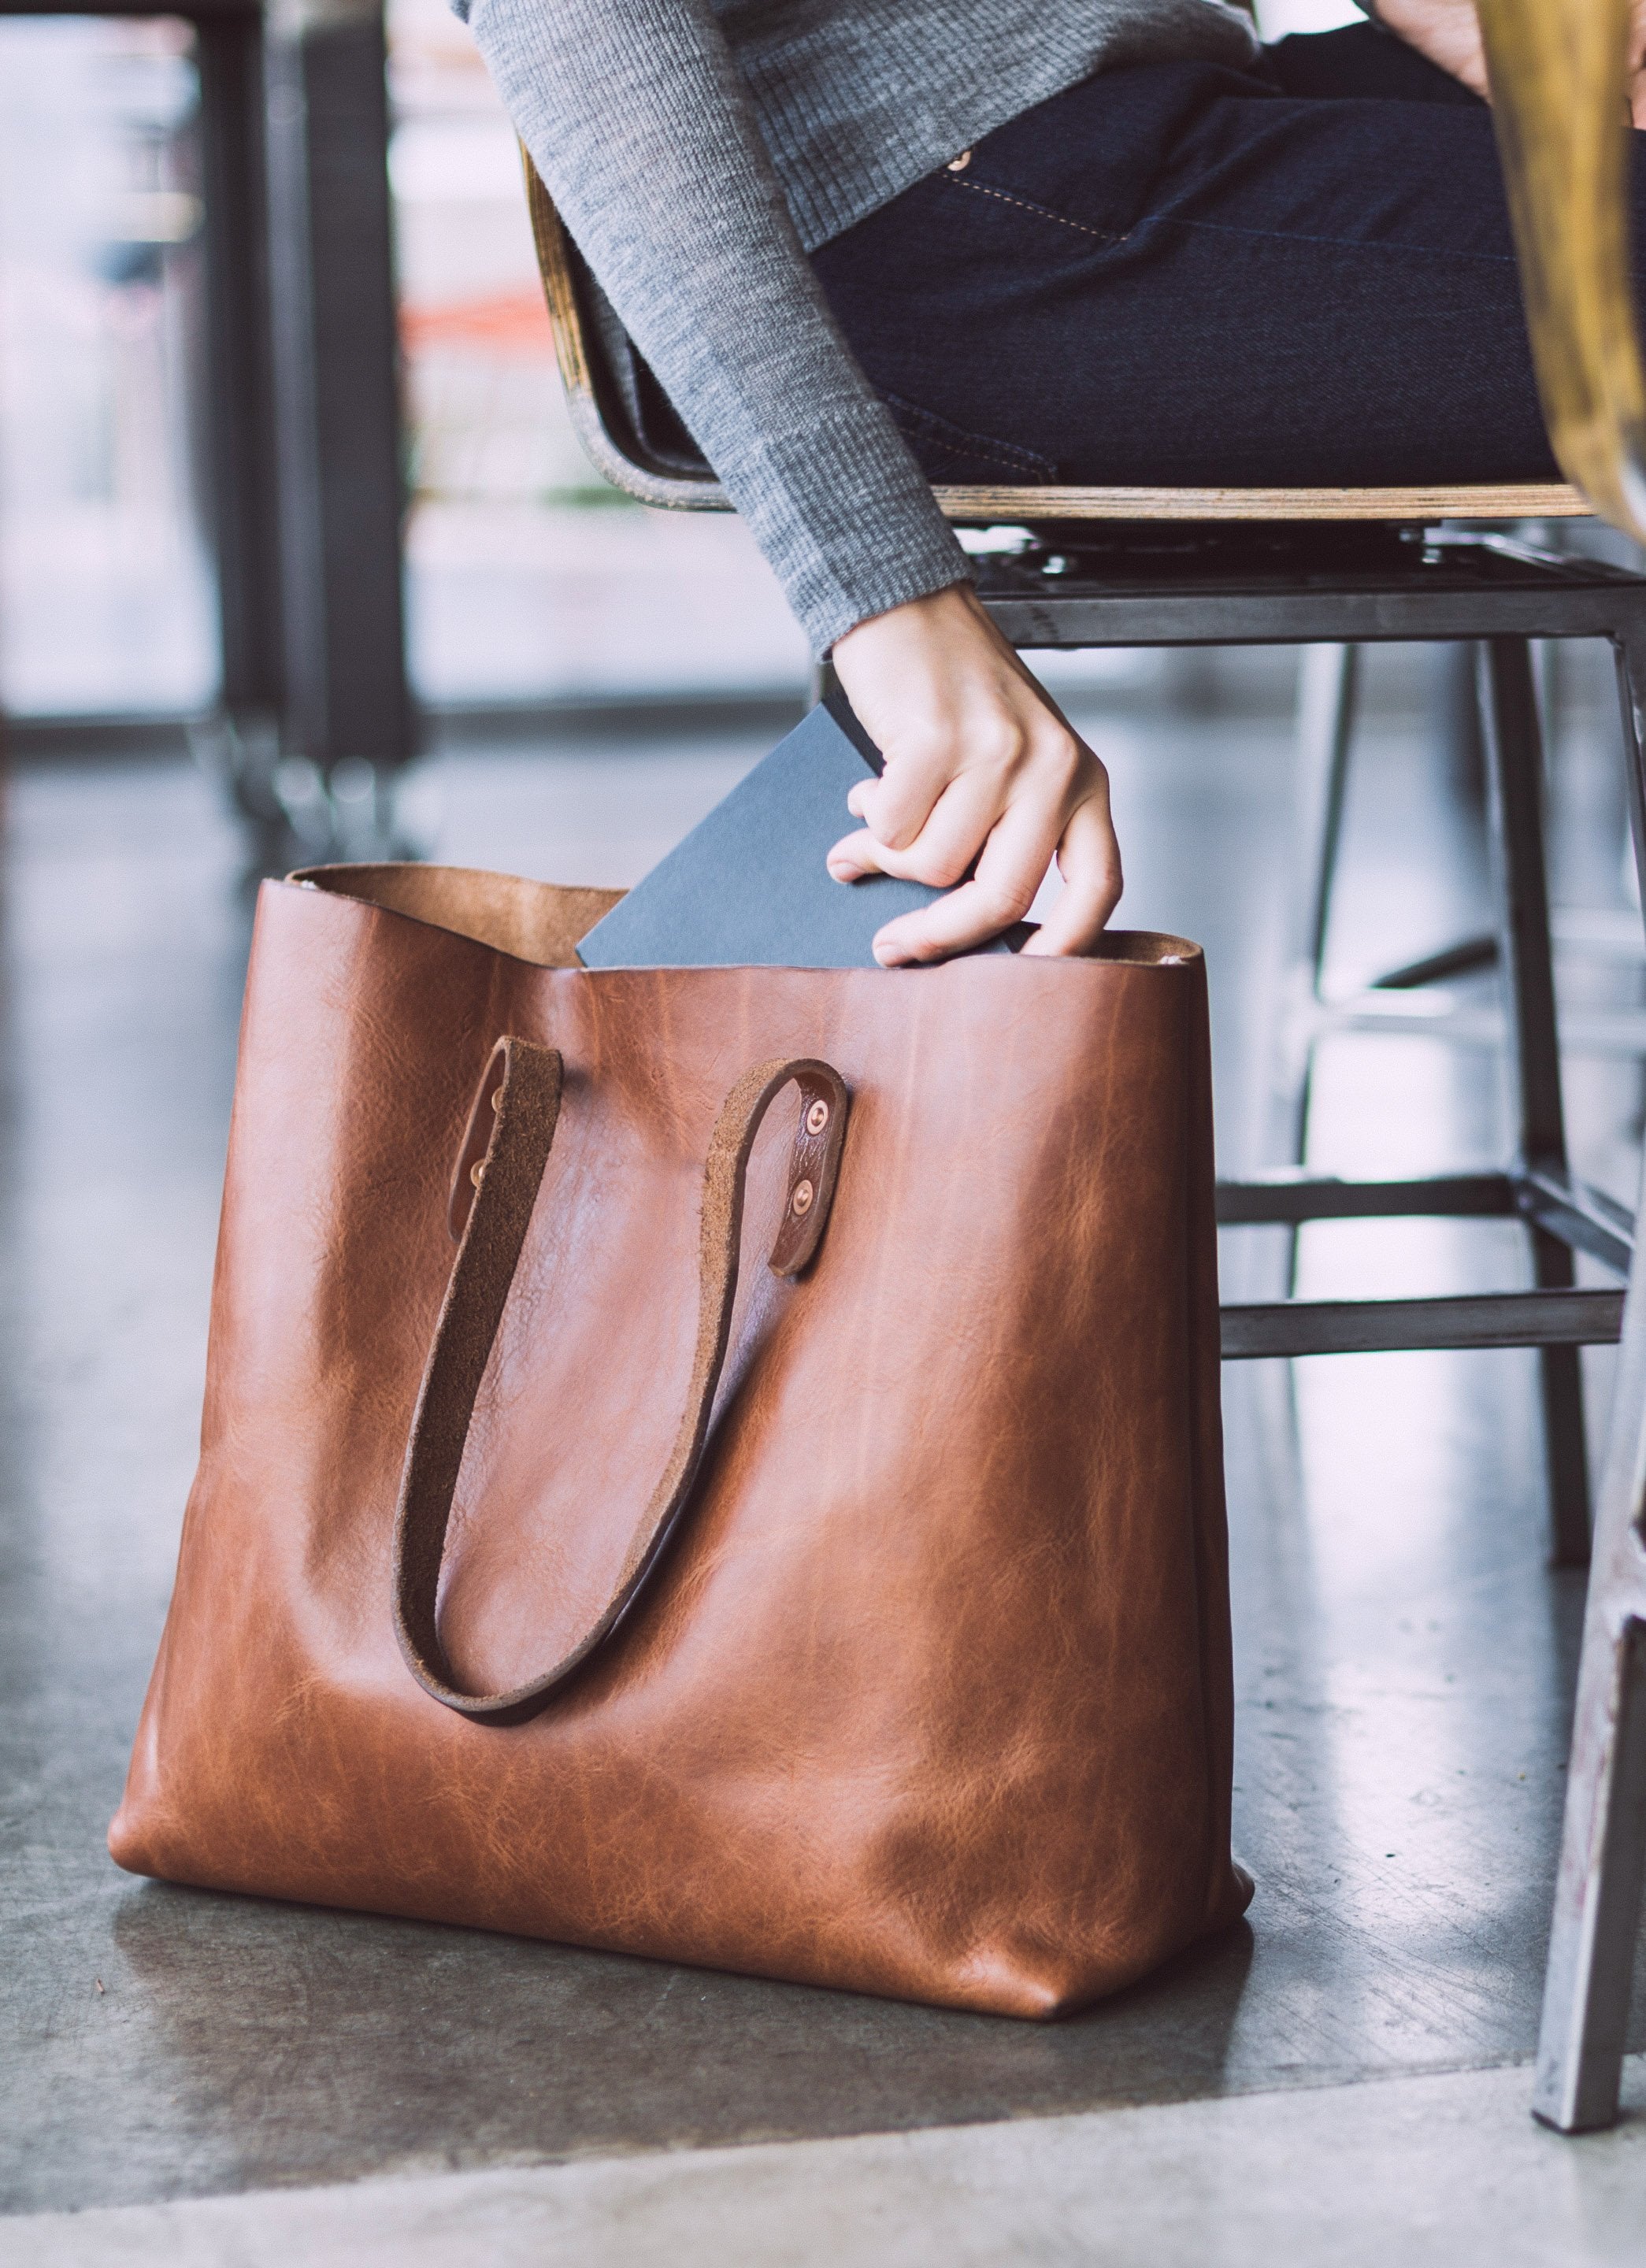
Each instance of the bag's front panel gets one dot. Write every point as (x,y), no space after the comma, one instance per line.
(916,1701)
(963,1627)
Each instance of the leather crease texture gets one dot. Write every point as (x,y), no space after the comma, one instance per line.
(928,1692)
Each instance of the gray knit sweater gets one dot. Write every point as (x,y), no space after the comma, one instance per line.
(698,149)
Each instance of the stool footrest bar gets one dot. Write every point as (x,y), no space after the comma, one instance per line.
(1292,1194)
(1489,1319)
(1584,1218)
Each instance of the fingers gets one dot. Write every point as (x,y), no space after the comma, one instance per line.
(1044,770)
(1009,873)
(924,767)
(942,695)
(898,805)
(1011,869)
(855,855)
(1089,858)
(943,850)
(980,766)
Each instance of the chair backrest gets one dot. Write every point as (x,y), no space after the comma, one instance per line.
(619,414)
(1559,75)
(634,439)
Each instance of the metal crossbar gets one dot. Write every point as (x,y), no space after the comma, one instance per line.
(1584,1218)
(1069,587)
(1483,1319)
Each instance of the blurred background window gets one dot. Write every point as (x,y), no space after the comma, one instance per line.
(529,578)
(106,598)
(529,582)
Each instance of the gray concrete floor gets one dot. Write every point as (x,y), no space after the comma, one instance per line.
(1405,1658)
(1443,2171)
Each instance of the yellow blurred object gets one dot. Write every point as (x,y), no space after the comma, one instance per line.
(1559,73)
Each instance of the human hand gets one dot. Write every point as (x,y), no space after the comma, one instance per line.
(1448,32)
(980,765)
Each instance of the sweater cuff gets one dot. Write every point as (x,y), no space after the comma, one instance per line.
(843,515)
(904,565)
(906,580)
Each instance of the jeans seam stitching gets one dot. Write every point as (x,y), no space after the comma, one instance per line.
(961,441)
(1340,243)
(1103,236)
(1225,228)
(1022,463)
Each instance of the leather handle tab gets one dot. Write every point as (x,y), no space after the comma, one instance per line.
(522,1106)
(476,1145)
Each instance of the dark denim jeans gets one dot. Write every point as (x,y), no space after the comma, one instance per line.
(1299,274)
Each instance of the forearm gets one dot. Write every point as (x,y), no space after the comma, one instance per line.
(1447,32)
(638,120)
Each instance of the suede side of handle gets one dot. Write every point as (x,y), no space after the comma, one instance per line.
(527,1106)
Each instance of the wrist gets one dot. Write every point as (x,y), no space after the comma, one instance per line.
(933,610)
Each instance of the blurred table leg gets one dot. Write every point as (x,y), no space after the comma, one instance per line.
(336,391)
(240,383)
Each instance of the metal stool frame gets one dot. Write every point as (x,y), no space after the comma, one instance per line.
(1198,567)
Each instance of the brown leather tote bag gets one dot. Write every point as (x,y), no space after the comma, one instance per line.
(859,1616)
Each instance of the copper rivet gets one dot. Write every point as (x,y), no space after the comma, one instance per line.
(497,1099)
(817,1118)
(800,1203)
(476,1170)
(959,165)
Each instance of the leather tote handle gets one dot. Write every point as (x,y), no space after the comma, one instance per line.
(525,1104)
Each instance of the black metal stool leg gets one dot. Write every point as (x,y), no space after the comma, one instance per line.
(1515,760)
(1602,1849)
(336,411)
(241,745)
(1603,1846)
(1328,688)
(245,502)
(1631,664)
(1328,682)
(1465,750)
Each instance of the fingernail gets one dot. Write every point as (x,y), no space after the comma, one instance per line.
(890,955)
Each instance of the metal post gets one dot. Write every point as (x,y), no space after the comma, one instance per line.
(1460,706)
(1328,682)
(1603,1845)
(239,382)
(1629,649)
(335,385)
(1514,749)
(1328,685)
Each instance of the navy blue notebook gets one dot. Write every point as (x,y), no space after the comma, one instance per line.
(748,887)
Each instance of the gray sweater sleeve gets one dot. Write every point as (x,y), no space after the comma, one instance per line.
(637,119)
